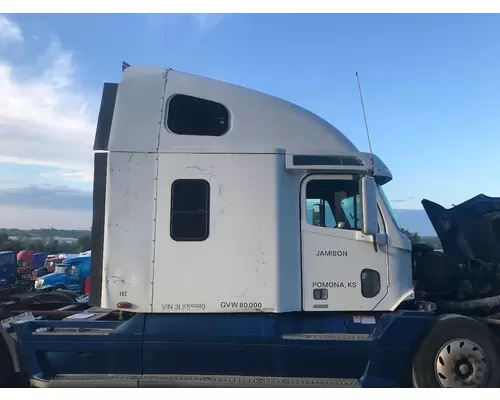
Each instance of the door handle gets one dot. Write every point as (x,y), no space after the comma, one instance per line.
(380,238)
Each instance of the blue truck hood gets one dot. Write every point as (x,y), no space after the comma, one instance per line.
(468,230)
(53,277)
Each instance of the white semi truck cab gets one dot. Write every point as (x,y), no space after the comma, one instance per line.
(240,240)
(214,185)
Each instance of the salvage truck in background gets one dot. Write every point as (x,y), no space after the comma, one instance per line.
(70,274)
(210,268)
(28,262)
(53,259)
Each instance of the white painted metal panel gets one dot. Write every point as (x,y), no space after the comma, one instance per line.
(400,276)
(138,110)
(259,122)
(236,268)
(288,239)
(128,233)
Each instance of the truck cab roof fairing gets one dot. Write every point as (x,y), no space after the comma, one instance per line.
(258,123)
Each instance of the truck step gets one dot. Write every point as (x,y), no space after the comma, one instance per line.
(242,381)
(189,380)
(86,380)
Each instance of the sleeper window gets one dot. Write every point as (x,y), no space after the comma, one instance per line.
(190,210)
(188,115)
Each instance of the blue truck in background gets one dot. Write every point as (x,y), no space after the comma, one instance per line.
(39,260)
(7,269)
(69,275)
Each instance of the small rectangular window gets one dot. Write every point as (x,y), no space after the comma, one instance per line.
(190,210)
(326,160)
(188,115)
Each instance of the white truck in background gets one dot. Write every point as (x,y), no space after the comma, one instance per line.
(209,269)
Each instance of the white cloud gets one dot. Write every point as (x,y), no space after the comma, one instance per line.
(10,32)
(45,119)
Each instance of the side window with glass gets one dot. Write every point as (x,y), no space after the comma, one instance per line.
(333,204)
(190,210)
(319,213)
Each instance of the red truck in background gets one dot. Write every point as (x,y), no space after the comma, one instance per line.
(27,263)
(24,262)
(52,260)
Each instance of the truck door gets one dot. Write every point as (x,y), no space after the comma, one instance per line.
(342,269)
(73,278)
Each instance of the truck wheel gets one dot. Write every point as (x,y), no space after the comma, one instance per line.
(29,286)
(458,352)
(6,367)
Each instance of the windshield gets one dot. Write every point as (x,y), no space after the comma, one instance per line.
(389,207)
(61,269)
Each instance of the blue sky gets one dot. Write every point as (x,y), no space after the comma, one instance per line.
(430,85)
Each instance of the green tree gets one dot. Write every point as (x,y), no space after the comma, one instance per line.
(413,236)
(38,246)
(4,238)
(45,245)
(12,245)
(52,247)
(84,243)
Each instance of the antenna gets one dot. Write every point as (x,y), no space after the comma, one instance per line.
(366,123)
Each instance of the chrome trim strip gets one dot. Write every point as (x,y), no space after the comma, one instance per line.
(362,337)
(72,332)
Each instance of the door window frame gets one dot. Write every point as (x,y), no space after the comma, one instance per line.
(345,233)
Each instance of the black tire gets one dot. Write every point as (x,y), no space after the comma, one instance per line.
(447,329)
(6,367)
(29,287)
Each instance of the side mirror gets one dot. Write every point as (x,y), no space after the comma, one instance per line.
(369,209)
